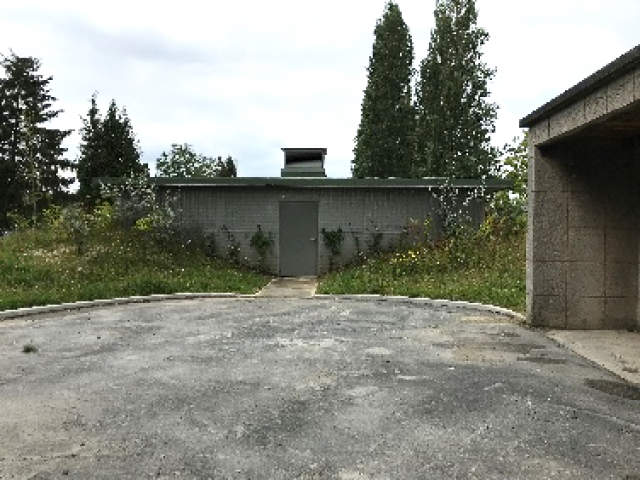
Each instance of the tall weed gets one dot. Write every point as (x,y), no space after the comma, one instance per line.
(481,265)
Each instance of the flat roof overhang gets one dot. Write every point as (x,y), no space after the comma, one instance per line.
(490,184)
(619,124)
(304,150)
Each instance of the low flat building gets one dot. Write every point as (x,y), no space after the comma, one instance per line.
(299,211)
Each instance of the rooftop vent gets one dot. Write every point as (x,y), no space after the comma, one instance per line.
(303,162)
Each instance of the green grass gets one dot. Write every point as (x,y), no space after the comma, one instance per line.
(482,268)
(40,267)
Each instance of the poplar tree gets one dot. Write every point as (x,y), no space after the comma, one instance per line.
(455,117)
(31,154)
(384,144)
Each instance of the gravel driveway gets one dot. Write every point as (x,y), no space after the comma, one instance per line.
(304,388)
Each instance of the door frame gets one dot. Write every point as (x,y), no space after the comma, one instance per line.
(285,244)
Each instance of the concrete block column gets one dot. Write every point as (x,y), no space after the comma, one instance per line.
(622,220)
(583,238)
(638,301)
(583,244)
(547,240)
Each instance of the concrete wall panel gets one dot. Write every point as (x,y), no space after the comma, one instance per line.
(548,311)
(621,245)
(620,313)
(621,279)
(547,172)
(550,279)
(621,211)
(621,92)
(586,210)
(595,105)
(549,227)
(585,313)
(586,244)
(566,120)
(585,279)
(539,133)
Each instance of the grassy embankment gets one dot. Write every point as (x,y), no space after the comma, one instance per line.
(41,266)
(486,267)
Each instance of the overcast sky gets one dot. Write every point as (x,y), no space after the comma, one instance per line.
(247,77)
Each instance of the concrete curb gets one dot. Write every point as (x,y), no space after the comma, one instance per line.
(477,307)
(27,311)
(438,303)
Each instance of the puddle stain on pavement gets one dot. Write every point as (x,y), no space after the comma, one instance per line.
(617,389)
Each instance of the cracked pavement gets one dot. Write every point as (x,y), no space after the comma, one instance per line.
(262,388)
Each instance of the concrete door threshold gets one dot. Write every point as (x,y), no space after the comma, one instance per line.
(292,287)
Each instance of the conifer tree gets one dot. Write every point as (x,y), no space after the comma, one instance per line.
(455,117)
(226,167)
(108,148)
(384,144)
(31,154)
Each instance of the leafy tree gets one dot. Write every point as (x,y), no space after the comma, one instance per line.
(31,163)
(108,148)
(510,207)
(183,161)
(455,118)
(515,166)
(384,144)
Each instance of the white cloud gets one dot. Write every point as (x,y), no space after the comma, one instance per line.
(248,77)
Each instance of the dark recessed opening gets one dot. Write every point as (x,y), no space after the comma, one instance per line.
(296,157)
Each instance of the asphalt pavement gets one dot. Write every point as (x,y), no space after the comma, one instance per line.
(280,388)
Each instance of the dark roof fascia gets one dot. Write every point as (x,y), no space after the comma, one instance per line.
(323,150)
(293,182)
(616,69)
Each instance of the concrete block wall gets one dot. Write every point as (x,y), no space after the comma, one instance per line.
(583,242)
(362,213)
(240,210)
(583,239)
(359,212)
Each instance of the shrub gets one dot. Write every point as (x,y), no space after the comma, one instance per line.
(261,243)
(136,203)
(333,241)
(233,246)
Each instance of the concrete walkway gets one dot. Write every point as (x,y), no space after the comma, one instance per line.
(290,287)
(617,351)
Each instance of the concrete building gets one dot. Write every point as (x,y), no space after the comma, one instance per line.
(584,203)
(300,208)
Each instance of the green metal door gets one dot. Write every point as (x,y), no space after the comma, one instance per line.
(298,239)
